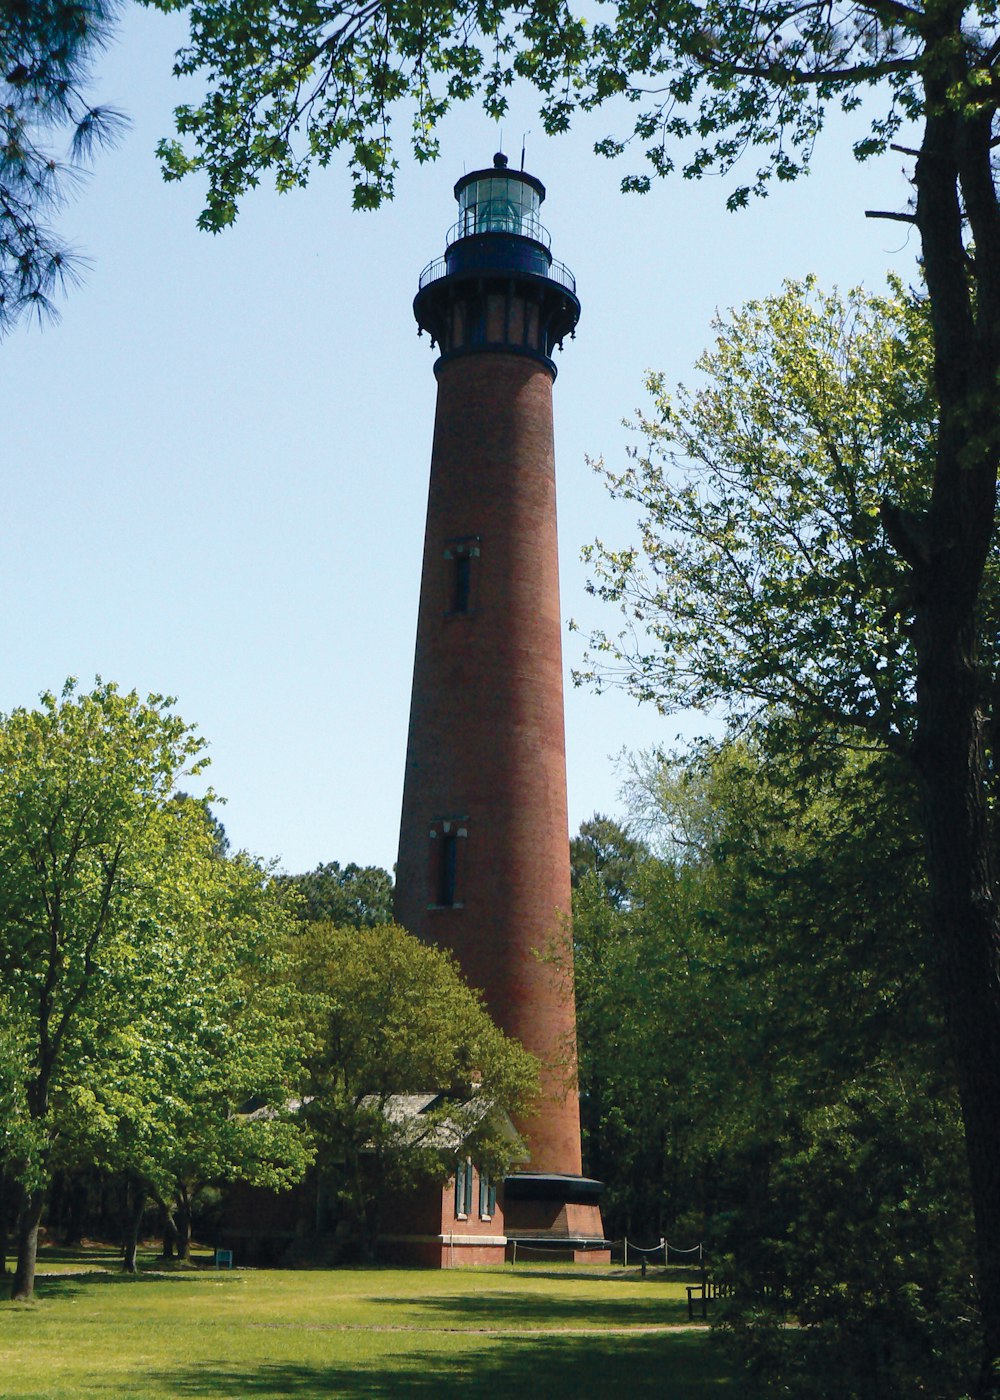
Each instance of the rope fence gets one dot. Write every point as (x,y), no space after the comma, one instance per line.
(658,1253)
(663,1248)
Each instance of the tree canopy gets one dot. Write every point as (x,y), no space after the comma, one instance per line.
(763,1066)
(350,894)
(386,1016)
(602,848)
(292,85)
(216,1029)
(763,579)
(768,580)
(46,50)
(130,955)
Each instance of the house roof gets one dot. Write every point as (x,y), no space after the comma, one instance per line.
(412,1113)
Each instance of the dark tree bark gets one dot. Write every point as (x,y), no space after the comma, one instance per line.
(135,1209)
(5,1197)
(168,1229)
(947,551)
(182,1218)
(366,1204)
(29,1218)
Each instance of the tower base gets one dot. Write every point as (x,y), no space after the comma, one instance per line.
(551,1215)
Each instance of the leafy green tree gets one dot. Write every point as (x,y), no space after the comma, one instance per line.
(220,841)
(604,849)
(13,1078)
(387,1015)
(229,1036)
(131,955)
(765,1056)
(86,853)
(784,554)
(649,966)
(292,84)
(854,1199)
(46,48)
(628,1018)
(353,894)
(762,578)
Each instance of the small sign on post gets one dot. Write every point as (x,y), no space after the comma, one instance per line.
(223,1258)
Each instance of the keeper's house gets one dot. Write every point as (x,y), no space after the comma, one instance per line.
(460,1223)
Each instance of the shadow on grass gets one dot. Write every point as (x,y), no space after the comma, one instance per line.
(537,1310)
(69,1285)
(678,1367)
(107,1256)
(585,1273)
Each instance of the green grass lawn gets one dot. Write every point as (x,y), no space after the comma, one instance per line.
(544,1333)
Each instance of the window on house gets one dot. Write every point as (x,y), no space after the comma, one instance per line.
(463,1190)
(487,1197)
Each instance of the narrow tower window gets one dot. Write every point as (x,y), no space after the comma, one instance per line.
(463,571)
(447,867)
(460,557)
(446,863)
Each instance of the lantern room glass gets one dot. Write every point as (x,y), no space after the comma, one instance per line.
(500,204)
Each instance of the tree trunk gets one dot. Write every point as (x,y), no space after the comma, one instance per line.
(4,1208)
(135,1208)
(951,762)
(168,1230)
(947,550)
(28,1220)
(182,1220)
(365,1202)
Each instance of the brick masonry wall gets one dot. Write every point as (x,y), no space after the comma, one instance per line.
(486,739)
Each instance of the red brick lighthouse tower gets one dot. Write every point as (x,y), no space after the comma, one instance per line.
(484,844)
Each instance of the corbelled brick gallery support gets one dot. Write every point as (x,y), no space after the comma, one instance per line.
(484,843)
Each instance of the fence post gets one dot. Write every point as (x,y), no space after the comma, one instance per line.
(625,1254)
(666,1253)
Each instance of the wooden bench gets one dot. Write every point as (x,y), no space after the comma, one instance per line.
(701,1294)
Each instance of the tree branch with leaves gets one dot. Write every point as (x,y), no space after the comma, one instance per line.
(46,49)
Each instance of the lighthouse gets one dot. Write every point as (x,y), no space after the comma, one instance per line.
(483,865)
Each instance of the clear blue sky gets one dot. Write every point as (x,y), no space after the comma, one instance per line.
(216,464)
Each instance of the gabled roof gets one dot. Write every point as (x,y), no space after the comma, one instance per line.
(448,1133)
